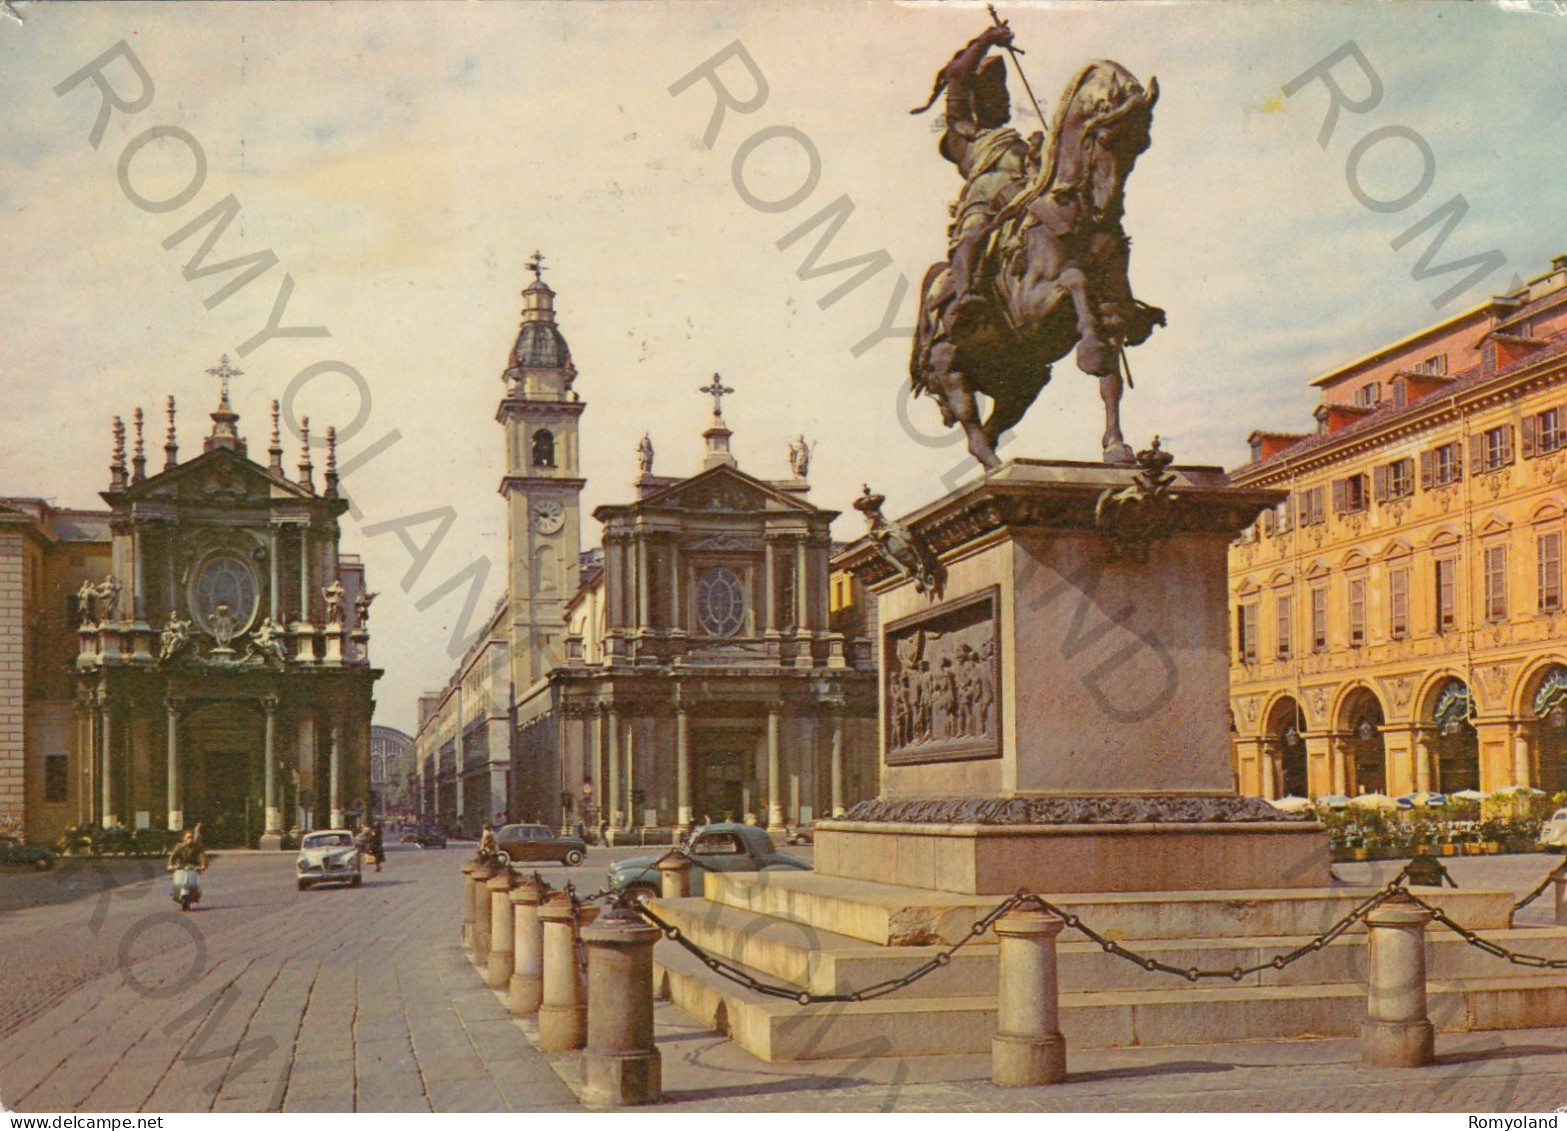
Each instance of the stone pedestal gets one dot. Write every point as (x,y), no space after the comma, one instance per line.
(563,1012)
(1028,1047)
(527,977)
(1560,883)
(674,872)
(1053,710)
(467,904)
(499,966)
(620,1063)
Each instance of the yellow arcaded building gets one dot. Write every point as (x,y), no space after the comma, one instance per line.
(1397,622)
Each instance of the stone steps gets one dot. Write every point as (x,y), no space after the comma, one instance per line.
(904,1025)
(826,962)
(890,915)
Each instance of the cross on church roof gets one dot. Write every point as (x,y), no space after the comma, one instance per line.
(536,265)
(717,390)
(224,371)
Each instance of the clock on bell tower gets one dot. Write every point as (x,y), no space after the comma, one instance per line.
(542,485)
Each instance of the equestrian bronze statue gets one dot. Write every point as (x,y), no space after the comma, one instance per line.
(1037,258)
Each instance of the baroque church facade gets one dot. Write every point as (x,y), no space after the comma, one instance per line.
(686,670)
(198,653)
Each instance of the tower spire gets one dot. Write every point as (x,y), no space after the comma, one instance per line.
(224,434)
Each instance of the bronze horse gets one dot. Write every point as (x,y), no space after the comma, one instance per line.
(1056,275)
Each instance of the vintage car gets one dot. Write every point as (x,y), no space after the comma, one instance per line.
(712,848)
(425,836)
(328,856)
(1553,834)
(15,851)
(529,844)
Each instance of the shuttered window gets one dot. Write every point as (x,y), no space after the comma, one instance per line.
(1446,594)
(1282,615)
(1394,480)
(1440,466)
(1246,632)
(1398,603)
(1357,612)
(1495,583)
(1319,618)
(1542,433)
(1491,450)
(1549,553)
(1349,494)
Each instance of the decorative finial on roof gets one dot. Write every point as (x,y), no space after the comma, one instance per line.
(224,372)
(139,459)
(275,451)
(717,434)
(305,466)
(536,265)
(330,490)
(171,444)
(117,459)
(718,390)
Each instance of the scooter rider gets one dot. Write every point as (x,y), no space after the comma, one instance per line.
(187,854)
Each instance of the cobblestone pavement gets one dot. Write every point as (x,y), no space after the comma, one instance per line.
(265,998)
(262,998)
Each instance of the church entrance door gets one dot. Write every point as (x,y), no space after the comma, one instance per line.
(720,786)
(222,787)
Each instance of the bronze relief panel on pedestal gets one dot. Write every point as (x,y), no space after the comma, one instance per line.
(943,683)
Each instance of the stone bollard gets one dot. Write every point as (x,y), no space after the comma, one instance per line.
(1560,878)
(527,977)
(481,914)
(1028,1047)
(675,872)
(498,969)
(563,1011)
(1397,1033)
(621,1065)
(467,903)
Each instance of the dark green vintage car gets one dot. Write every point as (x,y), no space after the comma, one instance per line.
(14,851)
(712,848)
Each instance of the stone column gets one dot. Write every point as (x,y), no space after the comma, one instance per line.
(611,801)
(1521,752)
(272,835)
(527,976)
(802,589)
(1421,739)
(467,904)
(676,622)
(172,776)
(479,896)
(499,969)
(1397,1033)
(674,874)
(771,575)
(563,1011)
(334,773)
(682,769)
(274,575)
(1028,1047)
(620,1064)
(304,573)
(775,813)
(1340,748)
(837,764)
(106,731)
(644,610)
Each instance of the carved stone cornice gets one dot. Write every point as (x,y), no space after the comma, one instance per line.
(1064,497)
(1154,809)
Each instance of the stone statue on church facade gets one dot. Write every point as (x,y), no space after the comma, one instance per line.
(362,607)
(333,595)
(645,455)
(108,594)
(799,457)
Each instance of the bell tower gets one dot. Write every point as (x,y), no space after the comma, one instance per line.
(542,484)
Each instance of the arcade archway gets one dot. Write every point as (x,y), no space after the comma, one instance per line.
(1456,742)
(1286,742)
(1365,759)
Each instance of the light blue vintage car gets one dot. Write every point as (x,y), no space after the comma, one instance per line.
(712,848)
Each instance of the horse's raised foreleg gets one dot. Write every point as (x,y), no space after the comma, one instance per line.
(1116,449)
(1095,355)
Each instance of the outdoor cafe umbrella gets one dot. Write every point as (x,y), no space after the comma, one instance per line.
(1521,791)
(1423,800)
(1291,803)
(1333,801)
(1468,795)
(1373,801)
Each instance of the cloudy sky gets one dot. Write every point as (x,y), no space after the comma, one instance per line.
(402,161)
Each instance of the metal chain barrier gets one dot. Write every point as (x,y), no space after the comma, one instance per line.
(1558,872)
(1473,938)
(942,958)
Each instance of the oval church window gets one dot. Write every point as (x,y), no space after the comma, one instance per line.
(225,580)
(720,602)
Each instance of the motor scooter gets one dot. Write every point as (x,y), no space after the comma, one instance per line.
(186,888)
